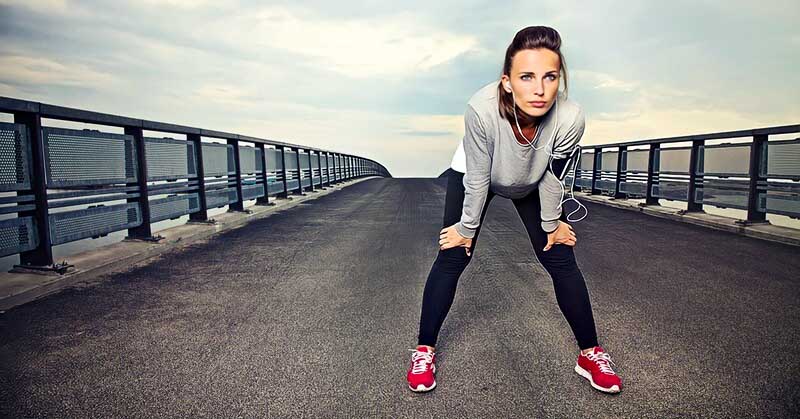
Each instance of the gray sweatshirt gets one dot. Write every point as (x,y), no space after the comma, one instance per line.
(489,155)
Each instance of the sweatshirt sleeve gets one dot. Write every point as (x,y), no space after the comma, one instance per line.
(550,193)
(477,176)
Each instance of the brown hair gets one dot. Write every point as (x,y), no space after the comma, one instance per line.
(532,37)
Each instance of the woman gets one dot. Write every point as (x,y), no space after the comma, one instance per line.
(517,129)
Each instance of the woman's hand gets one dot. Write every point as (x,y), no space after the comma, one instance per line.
(562,235)
(449,238)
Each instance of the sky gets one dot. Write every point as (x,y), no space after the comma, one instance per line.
(390,81)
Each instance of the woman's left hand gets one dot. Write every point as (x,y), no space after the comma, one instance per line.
(563,235)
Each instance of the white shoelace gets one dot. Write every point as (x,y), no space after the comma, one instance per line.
(420,360)
(602,359)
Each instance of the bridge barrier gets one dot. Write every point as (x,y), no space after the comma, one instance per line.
(59,185)
(759,176)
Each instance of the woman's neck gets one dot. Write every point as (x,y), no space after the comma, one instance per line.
(529,126)
(528,132)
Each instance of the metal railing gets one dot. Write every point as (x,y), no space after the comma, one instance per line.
(65,185)
(760,176)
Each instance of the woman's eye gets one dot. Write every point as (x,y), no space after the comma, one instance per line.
(552,77)
(526,77)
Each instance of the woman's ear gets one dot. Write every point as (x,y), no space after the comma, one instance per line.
(506,83)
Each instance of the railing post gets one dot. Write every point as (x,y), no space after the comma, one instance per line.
(335,170)
(299,173)
(328,168)
(310,171)
(694,161)
(758,172)
(651,169)
(620,153)
(42,255)
(319,166)
(202,215)
(239,204)
(264,200)
(598,159)
(144,231)
(285,193)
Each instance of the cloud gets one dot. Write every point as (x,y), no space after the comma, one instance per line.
(22,69)
(603,81)
(391,46)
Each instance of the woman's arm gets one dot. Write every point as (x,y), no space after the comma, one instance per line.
(476,179)
(550,192)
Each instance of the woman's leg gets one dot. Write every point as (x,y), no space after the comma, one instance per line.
(559,261)
(440,288)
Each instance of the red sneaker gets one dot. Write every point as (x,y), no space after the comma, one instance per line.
(422,369)
(594,367)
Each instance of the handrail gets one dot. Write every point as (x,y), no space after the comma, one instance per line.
(156,178)
(761,177)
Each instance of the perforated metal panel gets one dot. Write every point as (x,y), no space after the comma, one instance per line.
(671,190)
(315,160)
(291,160)
(275,188)
(783,159)
(15,156)
(274,161)
(636,160)
(17,235)
(82,158)
(174,206)
(169,159)
(215,159)
(259,160)
(293,184)
(75,225)
(634,188)
(584,182)
(247,158)
(605,185)
(722,193)
(221,197)
(306,181)
(587,162)
(304,160)
(780,202)
(673,160)
(609,160)
(724,159)
(252,191)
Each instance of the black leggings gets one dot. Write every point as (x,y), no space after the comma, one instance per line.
(559,261)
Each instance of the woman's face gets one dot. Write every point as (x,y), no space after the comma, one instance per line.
(534,80)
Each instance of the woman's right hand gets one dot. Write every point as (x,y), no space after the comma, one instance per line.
(449,238)
(564,234)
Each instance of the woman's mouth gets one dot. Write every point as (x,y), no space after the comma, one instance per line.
(537,104)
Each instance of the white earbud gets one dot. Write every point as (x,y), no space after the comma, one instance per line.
(550,162)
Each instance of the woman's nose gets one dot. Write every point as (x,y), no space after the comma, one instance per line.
(539,88)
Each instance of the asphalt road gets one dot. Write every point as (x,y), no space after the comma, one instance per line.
(311,312)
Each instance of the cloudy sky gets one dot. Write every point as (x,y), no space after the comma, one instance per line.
(389,81)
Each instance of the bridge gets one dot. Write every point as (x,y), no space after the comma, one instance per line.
(309,311)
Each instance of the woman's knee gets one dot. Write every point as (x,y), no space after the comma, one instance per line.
(454,256)
(559,256)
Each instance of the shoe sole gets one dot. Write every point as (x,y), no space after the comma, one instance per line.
(421,388)
(587,375)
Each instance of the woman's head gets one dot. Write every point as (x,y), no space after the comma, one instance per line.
(532,71)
